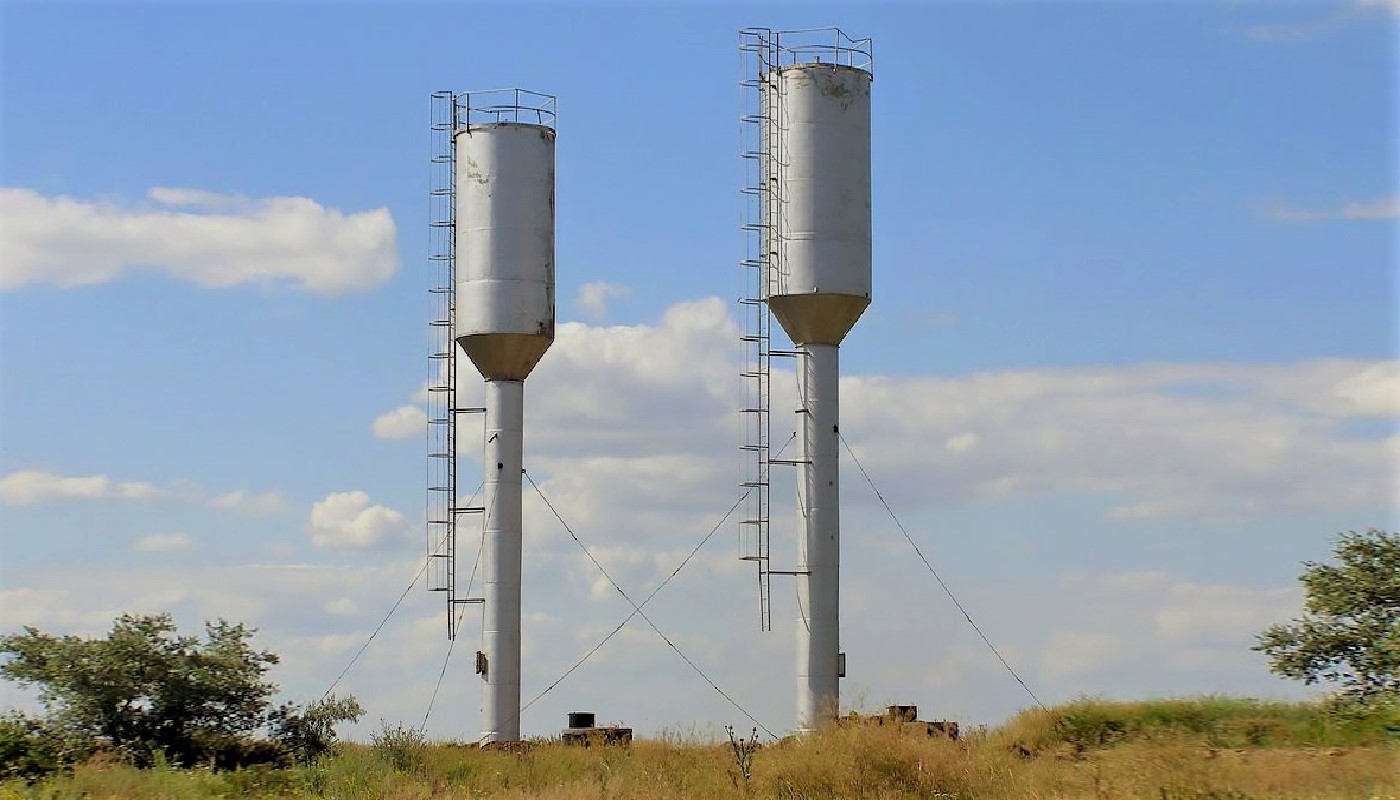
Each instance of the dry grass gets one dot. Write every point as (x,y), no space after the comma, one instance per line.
(1176,754)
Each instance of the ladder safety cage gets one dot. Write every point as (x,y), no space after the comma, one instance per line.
(441,386)
(763,53)
(450,112)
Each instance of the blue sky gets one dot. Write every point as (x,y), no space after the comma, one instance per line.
(1130,359)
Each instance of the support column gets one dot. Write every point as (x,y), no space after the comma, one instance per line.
(819,537)
(500,634)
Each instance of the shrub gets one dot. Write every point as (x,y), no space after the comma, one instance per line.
(27,750)
(402,748)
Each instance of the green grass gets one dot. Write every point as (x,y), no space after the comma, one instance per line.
(1213,720)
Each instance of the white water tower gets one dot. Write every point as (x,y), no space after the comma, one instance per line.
(504,323)
(813,145)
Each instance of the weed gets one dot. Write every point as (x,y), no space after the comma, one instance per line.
(744,750)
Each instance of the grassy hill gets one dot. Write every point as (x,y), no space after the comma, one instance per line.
(1211,748)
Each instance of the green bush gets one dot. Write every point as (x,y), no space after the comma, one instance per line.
(307,732)
(27,750)
(403,748)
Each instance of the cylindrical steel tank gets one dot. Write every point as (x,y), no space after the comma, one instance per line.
(818,203)
(505,246)
(819,279)
(504,320)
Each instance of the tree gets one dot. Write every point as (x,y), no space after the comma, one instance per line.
(147,690)
(1350,629)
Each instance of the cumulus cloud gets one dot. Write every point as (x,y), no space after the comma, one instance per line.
(163,543)
(347,520)
(401,423)
(593,298)
(1163,440)
(26,487)
(626,412)
(1379,209)
(209,239)
(1128,621)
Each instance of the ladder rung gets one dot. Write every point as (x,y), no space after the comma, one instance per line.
(789,461)
(469,509)
(470,410)
(753,484)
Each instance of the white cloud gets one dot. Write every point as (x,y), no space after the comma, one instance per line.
(163,543)
(593,298)
(1165,625)
(1327,18)
(1068,654)
(401,423)
(209,239)
(1379,209)
(341,606)
(1162,440)
(619,415)
(1225,614)
(1393,6)
(25,487)
(32,486)
(251,502)
(962,443)
(346,520)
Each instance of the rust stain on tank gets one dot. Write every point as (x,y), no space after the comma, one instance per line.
(473,172)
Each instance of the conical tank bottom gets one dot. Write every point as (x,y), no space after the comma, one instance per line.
(505,356)
(817,318)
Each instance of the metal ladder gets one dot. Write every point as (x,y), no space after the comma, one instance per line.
(443,511)
(762,269)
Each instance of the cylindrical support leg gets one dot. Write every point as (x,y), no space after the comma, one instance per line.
(818,538)
(500,631)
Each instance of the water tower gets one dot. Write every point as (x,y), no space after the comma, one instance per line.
(500,312)
(808,140)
